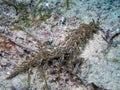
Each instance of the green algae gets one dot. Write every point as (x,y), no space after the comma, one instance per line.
(67,4)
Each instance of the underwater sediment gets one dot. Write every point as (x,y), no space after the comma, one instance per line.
(44,47)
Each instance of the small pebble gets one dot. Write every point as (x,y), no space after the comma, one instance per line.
(118,30)
(4,62)
(63,20)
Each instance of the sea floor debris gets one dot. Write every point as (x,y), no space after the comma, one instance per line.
(46,55)
(61,61)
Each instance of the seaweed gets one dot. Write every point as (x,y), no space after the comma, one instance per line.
(27,12)
(43,76)
(18,6)
(21,10)
(75,42)
(116,60)
(67,4)
(66,55)
(113,37)
(110,39)
(15,27)
(28,81)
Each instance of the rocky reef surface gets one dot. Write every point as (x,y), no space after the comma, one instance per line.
(101,67)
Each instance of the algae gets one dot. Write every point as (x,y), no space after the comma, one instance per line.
(27,12)
(75,42)
(116,60)
(67,4)
(67,55)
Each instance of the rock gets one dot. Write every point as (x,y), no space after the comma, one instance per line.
(103,71)
(4,61)
(92,86)
(18,84)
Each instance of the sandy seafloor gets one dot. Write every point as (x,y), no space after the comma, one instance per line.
(103,68)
